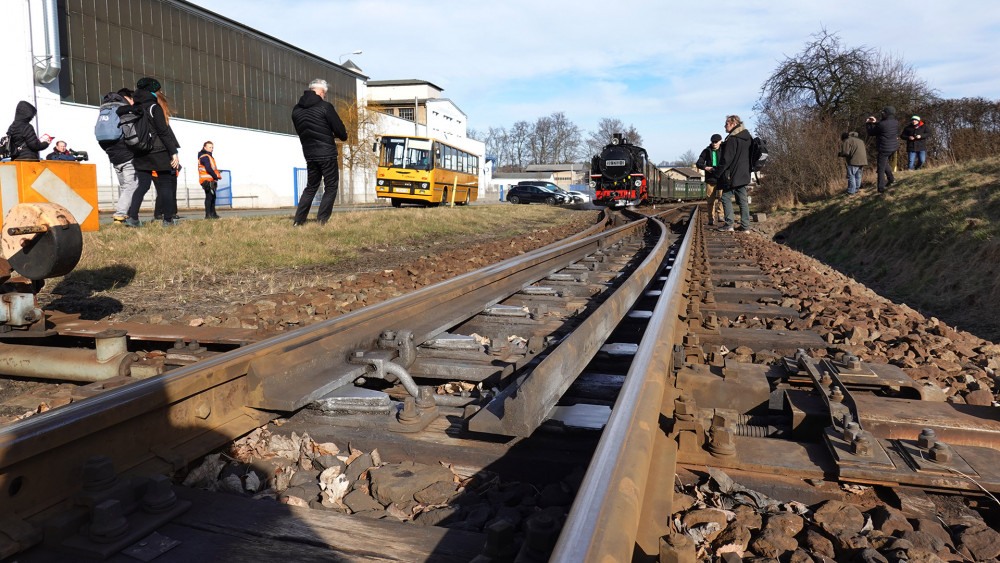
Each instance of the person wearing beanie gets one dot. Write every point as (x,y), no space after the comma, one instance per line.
(886,133)
(162,159)
(915,134)
(852,150)
(708,162)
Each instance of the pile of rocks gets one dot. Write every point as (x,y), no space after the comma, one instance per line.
(298,471)
(854,319)
(720,520)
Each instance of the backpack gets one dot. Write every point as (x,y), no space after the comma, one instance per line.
(758,154)
(6,150)
(106,128)
(137,130)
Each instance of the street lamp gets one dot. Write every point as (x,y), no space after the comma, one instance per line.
(358,52)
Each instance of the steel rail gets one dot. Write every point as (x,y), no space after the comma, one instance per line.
(522,406)
(605,522)
(165,422)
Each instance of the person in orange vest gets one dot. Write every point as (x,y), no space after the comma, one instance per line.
(208,175)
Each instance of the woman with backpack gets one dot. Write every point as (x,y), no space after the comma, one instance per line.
(154,112)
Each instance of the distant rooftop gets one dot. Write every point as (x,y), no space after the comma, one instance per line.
(403,82)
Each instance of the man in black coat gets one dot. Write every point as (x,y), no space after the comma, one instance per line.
(886,134)
(24,143)
(318,127)
(734,173)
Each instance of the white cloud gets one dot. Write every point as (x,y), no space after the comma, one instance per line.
(673,69)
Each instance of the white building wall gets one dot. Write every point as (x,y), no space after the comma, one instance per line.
(404,92)
(445,119)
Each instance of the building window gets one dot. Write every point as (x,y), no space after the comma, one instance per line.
(390,111)
(406,113)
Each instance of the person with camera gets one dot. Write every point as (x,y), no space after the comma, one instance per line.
(886,133)
(318,126)
(61,153)
(208,176)
(23,141)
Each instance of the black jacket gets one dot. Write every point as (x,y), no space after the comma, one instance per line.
(885,133)
(165,146)
(916,145)
(317,123)
(705,160)
(117,152)
(734,166)
(23,139)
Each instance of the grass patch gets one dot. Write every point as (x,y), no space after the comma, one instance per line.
(158,256)
(932,242)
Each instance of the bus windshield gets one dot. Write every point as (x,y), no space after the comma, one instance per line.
(404,152)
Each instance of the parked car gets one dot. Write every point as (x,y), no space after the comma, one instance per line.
(569,196)
(534,194)
(584,197)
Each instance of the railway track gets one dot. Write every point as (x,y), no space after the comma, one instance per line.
(616,350)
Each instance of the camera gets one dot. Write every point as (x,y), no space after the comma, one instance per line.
(78,155)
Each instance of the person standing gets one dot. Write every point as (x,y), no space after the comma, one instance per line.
(318,127)
(853,151)
(709,162)
(162,159)
(24,143)
(60,152)
(120,157)
(208,176)
(885,132)
(915,134)
(734,173)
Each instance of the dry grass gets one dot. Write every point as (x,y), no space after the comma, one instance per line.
(933,242)
(155,256)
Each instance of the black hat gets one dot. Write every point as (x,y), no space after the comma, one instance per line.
(716,138)
(889,110)
(148,84)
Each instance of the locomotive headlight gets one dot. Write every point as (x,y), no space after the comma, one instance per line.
(638,183)
(614,141)
(593,184)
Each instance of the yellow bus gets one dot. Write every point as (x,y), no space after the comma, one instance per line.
(425,171)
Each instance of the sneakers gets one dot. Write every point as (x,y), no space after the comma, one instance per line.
(169,223)
(298,224)
(118,220)
(130,222)
(726,228)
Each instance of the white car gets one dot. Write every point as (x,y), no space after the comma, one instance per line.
(584,197)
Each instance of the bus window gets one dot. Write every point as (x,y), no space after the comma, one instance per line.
(393,149)
(418,154)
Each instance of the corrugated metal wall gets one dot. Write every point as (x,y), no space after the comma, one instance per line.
(211,69)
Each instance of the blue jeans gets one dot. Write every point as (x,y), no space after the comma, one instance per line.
(741,200)
(920,157)
(853,179)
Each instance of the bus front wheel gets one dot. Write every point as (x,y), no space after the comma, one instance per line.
(396,202)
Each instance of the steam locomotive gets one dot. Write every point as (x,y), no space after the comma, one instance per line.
(623,175)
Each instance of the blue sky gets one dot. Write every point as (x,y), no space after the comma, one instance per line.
(672,69)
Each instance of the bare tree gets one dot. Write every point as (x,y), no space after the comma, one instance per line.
(688,158)
(606,128)
(364,126)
